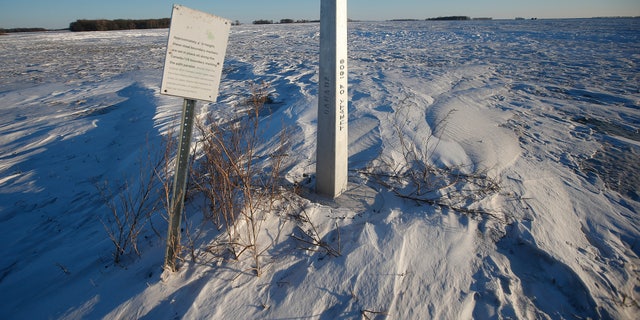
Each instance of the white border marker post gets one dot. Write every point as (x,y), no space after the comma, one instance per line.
(332,154)
(192,70)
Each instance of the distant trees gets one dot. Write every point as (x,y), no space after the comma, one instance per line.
(119,24)
(5,31)
(447,18)
(283,21)
(450,18)
(262,21)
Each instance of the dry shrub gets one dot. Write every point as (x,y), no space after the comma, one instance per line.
(132,203)
(240,187)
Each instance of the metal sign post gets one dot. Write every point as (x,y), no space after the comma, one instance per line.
(192,70)
(332,154)
(180,183)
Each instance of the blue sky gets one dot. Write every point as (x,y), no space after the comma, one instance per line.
(59,13)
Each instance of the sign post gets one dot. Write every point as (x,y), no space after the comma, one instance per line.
(192,70)
(332,153)
(179,183)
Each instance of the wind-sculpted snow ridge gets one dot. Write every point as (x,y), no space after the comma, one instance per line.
(547,112)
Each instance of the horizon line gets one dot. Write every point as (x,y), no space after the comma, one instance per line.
(352,20)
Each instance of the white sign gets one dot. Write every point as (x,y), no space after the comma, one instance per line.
(195,54)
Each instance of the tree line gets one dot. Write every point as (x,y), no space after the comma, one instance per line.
(447,18)
(119,24)
(128,24)
(13,30)
(450,18)
(264,21)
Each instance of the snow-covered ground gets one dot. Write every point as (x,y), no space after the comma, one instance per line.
(549,110)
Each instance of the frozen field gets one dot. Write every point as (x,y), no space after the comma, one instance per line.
(549,110)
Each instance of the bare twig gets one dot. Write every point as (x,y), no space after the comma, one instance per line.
(312,238)
(366,313)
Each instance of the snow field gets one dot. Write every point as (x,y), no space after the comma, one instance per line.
(550,109)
